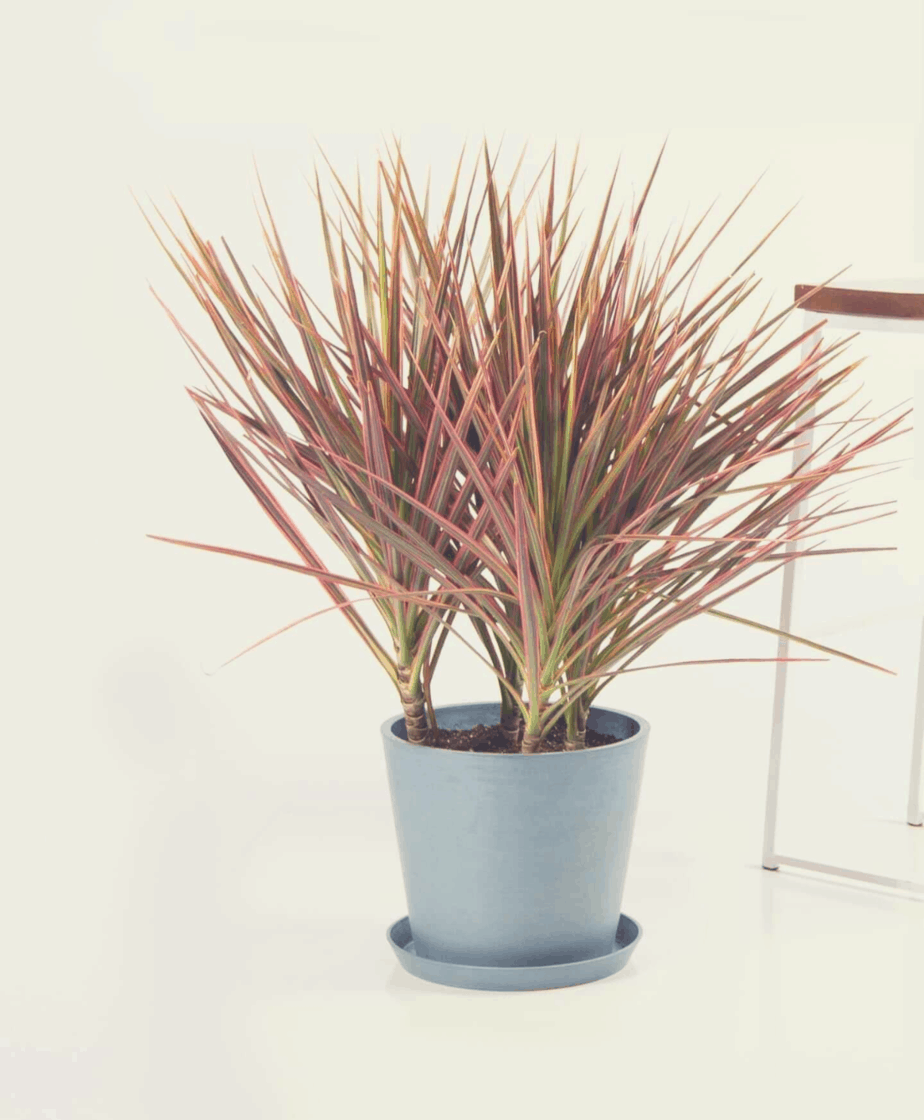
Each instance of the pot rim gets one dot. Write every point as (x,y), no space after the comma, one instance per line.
(644,729)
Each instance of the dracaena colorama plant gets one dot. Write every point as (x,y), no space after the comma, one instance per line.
(562,453)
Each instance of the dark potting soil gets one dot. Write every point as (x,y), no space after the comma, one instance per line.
(492,740)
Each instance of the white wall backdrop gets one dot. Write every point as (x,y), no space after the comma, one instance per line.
(166,830)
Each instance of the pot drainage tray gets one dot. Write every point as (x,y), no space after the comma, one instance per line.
(514,979)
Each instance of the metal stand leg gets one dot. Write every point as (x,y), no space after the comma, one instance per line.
(800,454)
(915,814)
(776,736)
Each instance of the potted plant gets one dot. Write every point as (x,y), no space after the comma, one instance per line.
(559,445)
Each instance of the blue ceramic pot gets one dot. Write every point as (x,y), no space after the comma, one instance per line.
(514,860)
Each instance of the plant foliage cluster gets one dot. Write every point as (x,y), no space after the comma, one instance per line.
(560,446)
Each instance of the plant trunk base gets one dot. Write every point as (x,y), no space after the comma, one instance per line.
(512,727)
(415,718)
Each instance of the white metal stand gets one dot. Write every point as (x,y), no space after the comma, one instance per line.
(772,859)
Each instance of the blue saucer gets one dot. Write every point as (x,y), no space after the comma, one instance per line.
(507,979)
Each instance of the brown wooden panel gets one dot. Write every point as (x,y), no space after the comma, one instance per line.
(855,301)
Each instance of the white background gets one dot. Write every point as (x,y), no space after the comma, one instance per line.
(198,868)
